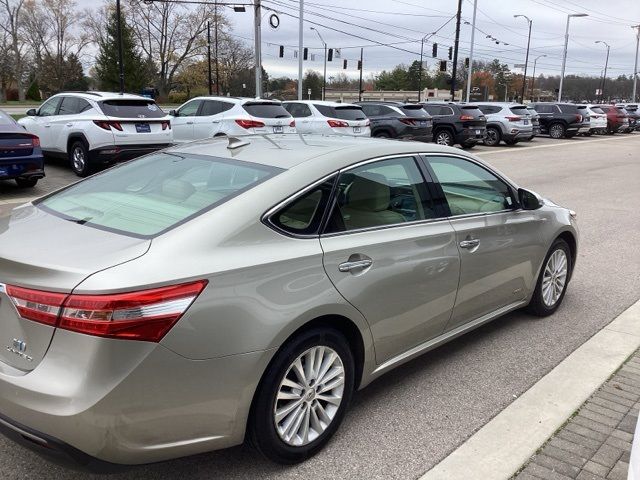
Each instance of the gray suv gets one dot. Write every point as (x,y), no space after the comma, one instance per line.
(406,121)
(507,122)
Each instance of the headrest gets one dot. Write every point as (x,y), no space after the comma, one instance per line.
(369,191)
(178,189)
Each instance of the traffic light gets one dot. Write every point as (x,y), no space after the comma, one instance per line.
(281,54)
(466,62)
(434,51)
(330,55)
(359,64)
(344,64)
(305,53)
(450,53)
(443,65)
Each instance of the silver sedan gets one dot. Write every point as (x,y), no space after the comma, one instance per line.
(246,287)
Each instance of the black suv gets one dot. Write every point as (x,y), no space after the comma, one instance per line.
(453,123)
(559,120)
(407,121)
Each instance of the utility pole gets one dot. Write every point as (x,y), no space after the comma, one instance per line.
(257,20)
(564,55)
(473,36)
(120,61)
(533,77)
(209,57)
(215,34)
(635,65)
(420,71)
(361,68)
(526,61)
(300,48)
(324,74)
(455,51)
(604,75)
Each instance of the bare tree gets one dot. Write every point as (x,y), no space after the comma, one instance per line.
(6,64)
(171,35)
(11,24)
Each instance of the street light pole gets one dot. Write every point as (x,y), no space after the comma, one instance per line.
(533,77)
(455,52)
(300,48)
(215,40)
(420,71)
(526,61)
(209,57)
(604,76)
(564,55)
(324,74)
(120,61)
(635,65)
(257,25)
(473,35)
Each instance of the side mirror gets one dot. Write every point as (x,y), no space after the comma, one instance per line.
(32,112)
(173,113)
(529,200)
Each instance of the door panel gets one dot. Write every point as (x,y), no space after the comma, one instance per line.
(182,124)
(409,290)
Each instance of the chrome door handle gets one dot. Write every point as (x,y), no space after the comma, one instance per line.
(348,266)
(69,124)
(469,243)
(215,121)
(47,125)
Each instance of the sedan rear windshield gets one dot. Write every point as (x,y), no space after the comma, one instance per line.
(266,110)
(342,113)
(131,109)
(414,111)
(146,197)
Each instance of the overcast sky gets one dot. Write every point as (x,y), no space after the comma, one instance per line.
(404,22)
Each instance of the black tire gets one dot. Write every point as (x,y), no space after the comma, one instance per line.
(382,134)
(443,137)
(26,182)
(80,164)
(570,134)
(557,130)
(493,137)
(511,142)
(537,306)
(469,145)
(262,431)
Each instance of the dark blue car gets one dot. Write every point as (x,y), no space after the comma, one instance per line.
(20,154)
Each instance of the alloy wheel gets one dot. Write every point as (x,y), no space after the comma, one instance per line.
(78,159)
(309,396)
(491,138)
(554,278)
(556,131)
(443,138)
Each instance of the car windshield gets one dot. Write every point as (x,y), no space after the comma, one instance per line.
(596,110)
(127,108)
(350,112)
(266,110)
(471,110)
(520,110)
(146,197)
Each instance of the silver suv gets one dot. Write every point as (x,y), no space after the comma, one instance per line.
(509,122)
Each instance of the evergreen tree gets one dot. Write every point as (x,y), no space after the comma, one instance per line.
(136,70)
(74,78)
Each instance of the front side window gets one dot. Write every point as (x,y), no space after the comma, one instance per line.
(388,192)
(146,197)
(470,188)
(49,107)
(190,109)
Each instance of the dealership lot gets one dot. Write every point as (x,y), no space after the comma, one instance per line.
(408,420)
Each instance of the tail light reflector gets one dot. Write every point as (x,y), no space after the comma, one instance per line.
(41,307)
(514,118)
(145,315)
(166,124)
(337,123)
(407,121)
(108,124)
(35,140)
(466,117)
(249,123)
(578,118)
(293,123)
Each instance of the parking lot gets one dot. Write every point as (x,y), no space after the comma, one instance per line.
(408,420)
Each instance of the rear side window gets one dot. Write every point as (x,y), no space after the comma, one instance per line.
(146,197)
(266,110)
(568,109)
(342,113)
(126,108)
(303,215)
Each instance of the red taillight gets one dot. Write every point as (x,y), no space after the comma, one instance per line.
(578,118)
(513,118)
(166,124)
(142,315)
(249,123)
(292,124)
(407,121)
(337,123)
(108,124)
(35,140)
(466,117)
(41,307)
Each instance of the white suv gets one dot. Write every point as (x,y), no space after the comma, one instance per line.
(332,118)
(98,128)
(205,117)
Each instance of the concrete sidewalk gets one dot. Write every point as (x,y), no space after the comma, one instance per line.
(595,444)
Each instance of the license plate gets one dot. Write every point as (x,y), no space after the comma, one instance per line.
(423,123)
(278,129)
(478,132)
(525,122)
(356,130)
(143,128)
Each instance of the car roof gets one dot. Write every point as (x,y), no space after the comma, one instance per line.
(501,104)
(288,150)
(322,102)
(235,100)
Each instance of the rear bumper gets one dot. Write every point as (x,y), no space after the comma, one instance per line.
(149,406)
(471,135)
(120,153)
(22,167)
(424,134)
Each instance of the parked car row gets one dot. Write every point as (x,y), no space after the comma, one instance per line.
(97,129)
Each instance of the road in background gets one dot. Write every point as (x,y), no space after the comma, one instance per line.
(408,420)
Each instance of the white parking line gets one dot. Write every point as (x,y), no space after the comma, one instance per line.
(502,446)
(580,142)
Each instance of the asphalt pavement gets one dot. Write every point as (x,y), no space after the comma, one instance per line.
(408,420)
